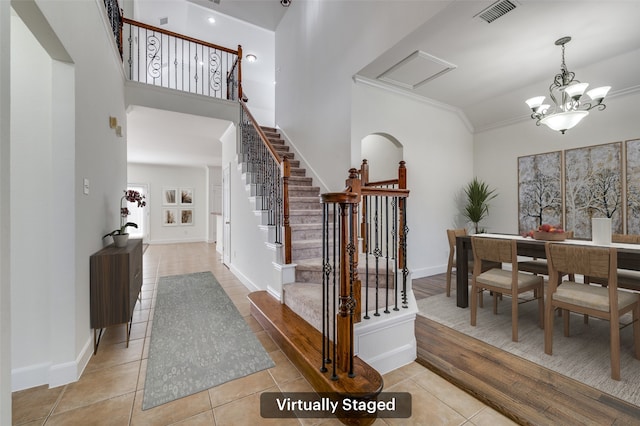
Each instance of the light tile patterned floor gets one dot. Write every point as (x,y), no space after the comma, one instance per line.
(111,388)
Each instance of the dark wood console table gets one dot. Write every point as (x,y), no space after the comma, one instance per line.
(627,259)
(116,280)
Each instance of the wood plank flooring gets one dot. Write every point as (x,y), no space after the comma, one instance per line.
(525,392)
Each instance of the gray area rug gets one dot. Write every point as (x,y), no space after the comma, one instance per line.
(198,340)
(584,356)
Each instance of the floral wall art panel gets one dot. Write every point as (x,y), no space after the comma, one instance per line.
(593,187)
(539,190)
(633,186)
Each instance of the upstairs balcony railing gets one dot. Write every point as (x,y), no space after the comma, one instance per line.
(163,58)
(159,57)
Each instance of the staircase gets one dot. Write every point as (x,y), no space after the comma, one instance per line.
(304,295)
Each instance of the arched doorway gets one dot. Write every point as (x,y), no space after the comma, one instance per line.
(383,152)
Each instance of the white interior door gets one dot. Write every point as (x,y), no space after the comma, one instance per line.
(226,217)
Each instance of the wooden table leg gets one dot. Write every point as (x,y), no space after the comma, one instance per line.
(462,274)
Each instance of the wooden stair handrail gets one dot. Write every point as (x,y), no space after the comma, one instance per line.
(180,36)
(263,136)
(285,174)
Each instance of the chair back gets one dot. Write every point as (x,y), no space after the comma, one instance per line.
(625,238)
(493,249)
(598,262)
(452,234)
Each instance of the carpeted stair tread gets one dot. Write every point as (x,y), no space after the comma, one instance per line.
(305,299)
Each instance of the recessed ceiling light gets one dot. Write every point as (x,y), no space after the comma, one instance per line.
(211,20)
(251,57)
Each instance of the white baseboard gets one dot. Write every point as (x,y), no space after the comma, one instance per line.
(30,376)
(427,272)
(394,359)
(244,279)
(387,342)
(54,375)
(178,240)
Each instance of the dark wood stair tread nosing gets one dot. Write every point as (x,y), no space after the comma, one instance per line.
(302,344)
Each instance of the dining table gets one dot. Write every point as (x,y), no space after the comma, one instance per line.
(628,257)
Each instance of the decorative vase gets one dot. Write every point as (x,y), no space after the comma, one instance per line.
(120,240)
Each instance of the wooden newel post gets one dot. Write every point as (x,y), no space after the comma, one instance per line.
(344,318)
(286,173)
(240,73)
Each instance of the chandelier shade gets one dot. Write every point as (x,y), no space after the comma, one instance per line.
(566,93)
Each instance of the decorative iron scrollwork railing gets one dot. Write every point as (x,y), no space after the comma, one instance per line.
(269,174)
(114,14)
(158,57)
(374,213)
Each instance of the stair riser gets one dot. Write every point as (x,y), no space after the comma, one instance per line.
(299,181)
(302,191)
(306,234)
(304,205)
(306,253)
(316,276)
(312,217)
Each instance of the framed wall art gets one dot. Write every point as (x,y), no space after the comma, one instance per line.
(169,196)
(186,196)
(169,217)
(539,190)
(593,187)
(633,186)
(186,216)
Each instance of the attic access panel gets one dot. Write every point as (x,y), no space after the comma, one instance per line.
(416,70)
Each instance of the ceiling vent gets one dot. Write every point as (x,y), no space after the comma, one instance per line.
(496,10)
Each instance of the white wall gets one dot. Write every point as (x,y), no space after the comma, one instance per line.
(5,217)
(31,198)
(496,151)
(438,150)
(70,129)
(320,45)
(250,258)
(159,177)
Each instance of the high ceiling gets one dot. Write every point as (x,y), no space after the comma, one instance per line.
(497,65)
(263,13)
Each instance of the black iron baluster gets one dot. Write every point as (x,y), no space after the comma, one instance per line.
(395,251)
(337,239)
(386,233)
(367,235)
(376,253)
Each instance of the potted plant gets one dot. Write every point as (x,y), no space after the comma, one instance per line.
(120,235)
(478,197)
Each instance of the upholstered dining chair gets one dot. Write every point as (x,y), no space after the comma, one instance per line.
(626,278)
(504,282)
(608,303)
